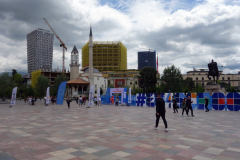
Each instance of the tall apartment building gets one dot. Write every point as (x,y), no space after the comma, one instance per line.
(39,50)
(107,55)
(146,58)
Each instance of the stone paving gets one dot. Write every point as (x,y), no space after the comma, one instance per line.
(115,133)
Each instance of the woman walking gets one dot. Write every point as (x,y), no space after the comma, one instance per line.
(80,101)
(117,101)
(184,106)
(68,102)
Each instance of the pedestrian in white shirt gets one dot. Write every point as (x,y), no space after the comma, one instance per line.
(80,101)
(99,101)
(30,100)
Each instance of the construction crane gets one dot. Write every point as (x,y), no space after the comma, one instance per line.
(61,45)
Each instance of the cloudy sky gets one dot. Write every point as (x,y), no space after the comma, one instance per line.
(186,33)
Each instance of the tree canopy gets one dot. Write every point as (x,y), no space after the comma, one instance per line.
(41,86)
(5,81)
(57,82)
(172,79)
(148,78)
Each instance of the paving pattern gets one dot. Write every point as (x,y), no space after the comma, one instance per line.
(115,133)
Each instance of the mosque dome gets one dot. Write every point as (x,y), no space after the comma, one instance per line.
(94,70)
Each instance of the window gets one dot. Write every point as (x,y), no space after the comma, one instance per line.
(130,83)
(193,74)
(222,78)
(228,78)
(196,78)
(210,78)
(202,84)
(146,60)
(199,73)
(229,83)
(202,78)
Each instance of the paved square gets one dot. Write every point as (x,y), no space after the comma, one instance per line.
(105,132)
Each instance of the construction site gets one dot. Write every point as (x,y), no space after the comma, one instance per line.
(107,55)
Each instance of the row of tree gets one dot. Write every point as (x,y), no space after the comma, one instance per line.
(7,83)
(171,81)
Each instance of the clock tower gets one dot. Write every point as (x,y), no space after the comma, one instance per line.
(74,65)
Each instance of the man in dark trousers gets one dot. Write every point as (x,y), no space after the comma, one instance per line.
(68,102)
(174,105)
(189,105)
(206,104)
(160,111)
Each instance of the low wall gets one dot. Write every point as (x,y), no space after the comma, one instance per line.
(218,101)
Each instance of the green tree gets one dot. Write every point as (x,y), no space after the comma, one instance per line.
(231,89)
(198,88)
(17,79)
(57,82)
(188,84)
(5,82)
(172,79)
(149,78)
(41,86)
(30,91)
(111,86)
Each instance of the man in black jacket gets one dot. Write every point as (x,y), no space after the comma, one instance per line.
(189,105)
(174,105)
(160,111)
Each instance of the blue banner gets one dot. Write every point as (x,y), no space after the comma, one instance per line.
(61,91)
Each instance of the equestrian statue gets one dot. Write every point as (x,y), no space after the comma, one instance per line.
(213,71)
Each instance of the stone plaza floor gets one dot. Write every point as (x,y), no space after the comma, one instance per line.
(108,132)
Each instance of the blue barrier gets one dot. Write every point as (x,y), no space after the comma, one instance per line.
(218,101)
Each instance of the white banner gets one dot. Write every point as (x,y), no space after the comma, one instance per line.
(129,96)
(48,100)
(98,93)
(90,98)
(14,96)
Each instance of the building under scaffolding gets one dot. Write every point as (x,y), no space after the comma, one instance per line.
(107,55)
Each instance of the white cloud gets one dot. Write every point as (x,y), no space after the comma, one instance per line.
(192,35)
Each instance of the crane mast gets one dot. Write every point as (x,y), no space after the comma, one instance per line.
(61,45)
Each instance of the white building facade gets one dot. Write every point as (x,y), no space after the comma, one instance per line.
(39,50)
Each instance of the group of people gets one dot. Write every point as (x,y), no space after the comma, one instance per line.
(186,106)
(80,100)
(97,101)
(30,100)
(52,99)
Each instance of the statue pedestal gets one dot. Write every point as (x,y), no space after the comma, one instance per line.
(211,88)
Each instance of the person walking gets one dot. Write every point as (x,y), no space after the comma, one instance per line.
(99,101)
(68,102)
(184,106)
(95,100)
(189,105)
(77,100)
(160,112)
(174,105)
(84,100)
(25,99)
(80,101)
(29,100)
(206,104)
(20,98)
(116,102)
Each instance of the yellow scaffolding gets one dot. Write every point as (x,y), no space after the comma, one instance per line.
(35,75)
(107,55)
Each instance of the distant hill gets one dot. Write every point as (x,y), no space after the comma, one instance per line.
(10,73)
